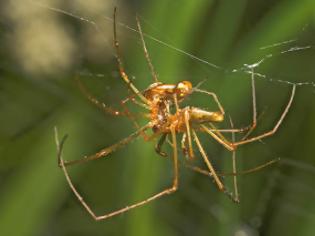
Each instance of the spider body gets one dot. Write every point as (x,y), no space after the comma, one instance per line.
(160,98)
(194,115)
(200,116)
(165,92)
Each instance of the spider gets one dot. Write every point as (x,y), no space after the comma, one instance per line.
(158,99)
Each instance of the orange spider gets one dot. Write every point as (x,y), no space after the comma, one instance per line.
(158,99)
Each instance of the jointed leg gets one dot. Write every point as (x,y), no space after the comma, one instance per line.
(243,172)
(218,136)
(208,163)
(233,145)
(112,111)
(212,171)
(213,128)
(99,104)
(183,145)
(236,194)
(254,122)
(122,210)
(123,75)
(275,128)
(175,102)
(188,131)
(190,148)
(214,97)
(106,151)
(146,53)
(234,197)
(133,117)
(159,144)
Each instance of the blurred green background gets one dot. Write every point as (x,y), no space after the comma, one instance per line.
(41,51)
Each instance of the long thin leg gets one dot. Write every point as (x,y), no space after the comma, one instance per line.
(112,111)
(233,145)
(123,75)
(99,104)
(132,117)
(208,163)
(183,145)
(108,150)
(243,172)
(59,145)
(212,171)
(133,99)
(176,102)
(236,194)
(175,159)
(254,122)
(218,137)
(127,208)
(216,99)
(275,128)
(158,146)
(146,53)
(190,148)
(218,130)
(188,132)
(186,117)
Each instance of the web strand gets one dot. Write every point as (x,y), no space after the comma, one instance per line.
(246,68)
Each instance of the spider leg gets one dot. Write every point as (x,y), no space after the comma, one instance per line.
(107,108)
(159,144)
(132,117)
(212,171)
(183,145)
(214,129)
(99,104)
(254,122)
(123,75)
(112,111)
(190,148)
(215,97)
(243,172)
(106,151)
(188,130)
(146,53)
(176,102)
(218,137)
(208,163)
(127,208)
(275,128)
(236,194)
(233,145)
(135,101)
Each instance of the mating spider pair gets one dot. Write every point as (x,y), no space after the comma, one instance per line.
(160,100)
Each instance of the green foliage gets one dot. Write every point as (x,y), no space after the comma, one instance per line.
(35,199)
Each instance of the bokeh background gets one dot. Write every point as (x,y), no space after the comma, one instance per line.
(43,48)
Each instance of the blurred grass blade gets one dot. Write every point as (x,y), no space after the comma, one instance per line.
(37,189)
